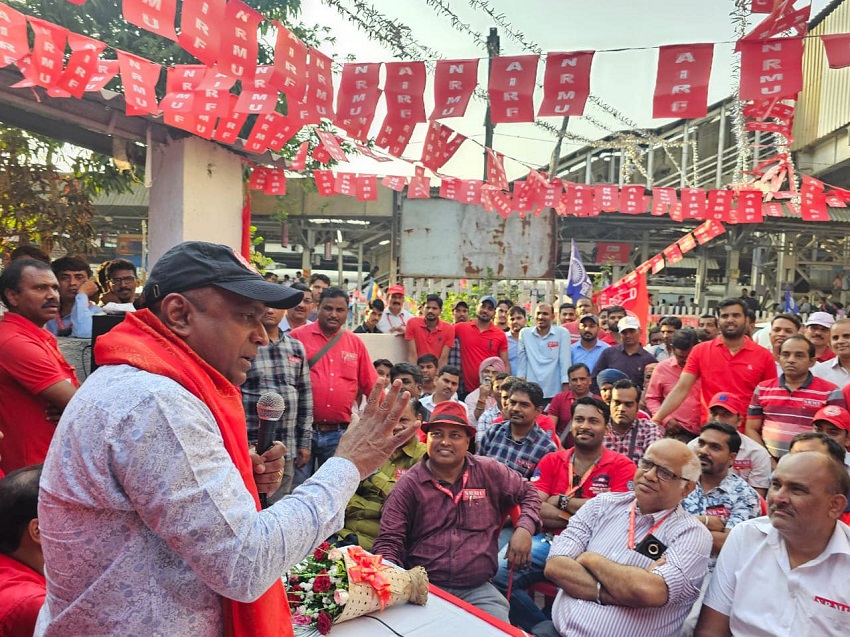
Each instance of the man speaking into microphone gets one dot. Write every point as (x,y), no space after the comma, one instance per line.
(149,512)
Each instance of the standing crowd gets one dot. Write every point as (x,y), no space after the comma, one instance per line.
(578,475)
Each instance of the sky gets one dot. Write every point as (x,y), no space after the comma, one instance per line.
(623,79)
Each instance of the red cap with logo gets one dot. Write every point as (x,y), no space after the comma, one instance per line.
(730,402)
(395,289)
(835,415)
(449,412)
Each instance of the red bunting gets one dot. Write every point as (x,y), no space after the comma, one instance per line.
(566,83)
(673,254)
(264,132)
(663,199)
(198,124)
(229,126)
(813,200)
(837,50)
(676,212)
(511,88)
(358,91)
(522,197)
(319,99)
(763,6)
(782,18)
(139,77)
(290,65)
(104,71)
(299,162)
(549,193)
(367,188)
(275,183)
(693,203)
(213,97)
(255,102)
(394,182)
(321,154)
(656,263)
(346,184)
(633,200)
(258,178)
(454,82)
(181,85)
(404,89)
(439,145)
(82,64)
(719,205)
(324,182)
(448,187)
(580,200)
(502,203)
(681,84)
(200,28)
(707,231)
(606,198)
(332,145)
(420,188)
(13,35)
(749,208)
(771,68)
(394,135)
(154,16)
(237,56)
(469,191)
(496,170)
(773,209)
(687,243)
(48,52)
(371,154)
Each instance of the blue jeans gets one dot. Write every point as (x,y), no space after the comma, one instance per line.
(324,447)
(524,612)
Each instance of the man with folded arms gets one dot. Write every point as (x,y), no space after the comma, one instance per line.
(446,514)
(632,563)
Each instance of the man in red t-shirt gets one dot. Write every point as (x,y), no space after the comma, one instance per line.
(731,363)
(22,585)
(561,407)
(430,334)
(480,339)
(566,480)
(36,382)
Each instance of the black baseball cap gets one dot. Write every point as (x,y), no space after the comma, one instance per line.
(196,264)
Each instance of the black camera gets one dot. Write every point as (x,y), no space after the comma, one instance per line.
(652,547)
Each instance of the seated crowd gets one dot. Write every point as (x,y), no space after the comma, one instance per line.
(567,477)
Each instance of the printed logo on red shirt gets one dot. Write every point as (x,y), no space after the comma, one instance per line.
(474,494)
(536,476)
(600,484)
(348,356)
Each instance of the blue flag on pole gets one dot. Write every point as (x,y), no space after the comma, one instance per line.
(790,304)
(578,283)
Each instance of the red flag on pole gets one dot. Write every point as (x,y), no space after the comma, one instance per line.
(681,84)
(566,83)
(771,68)
(511,88)
(629,293)
(200,28)
(156,17)
(454,82)
(404,89)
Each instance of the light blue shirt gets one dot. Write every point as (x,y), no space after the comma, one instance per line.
(513,354)
(544,359)
(588,357)
(79,318)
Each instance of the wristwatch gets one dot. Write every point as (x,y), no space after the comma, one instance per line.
(563,501)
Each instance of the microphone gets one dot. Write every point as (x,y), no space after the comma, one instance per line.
(270,408)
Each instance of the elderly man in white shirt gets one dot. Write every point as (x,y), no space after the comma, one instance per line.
(785,575)
(837,370)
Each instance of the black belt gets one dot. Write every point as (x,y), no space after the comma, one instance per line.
(330,426)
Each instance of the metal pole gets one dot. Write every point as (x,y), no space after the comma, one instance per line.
(721,148)
(492,51)
(556,152)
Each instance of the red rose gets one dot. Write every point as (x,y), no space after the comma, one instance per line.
(324,623)
(322,584)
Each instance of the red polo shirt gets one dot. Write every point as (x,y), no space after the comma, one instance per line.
(427,341)
(339,375)
(721,371)
(827,355)
(572,328)
(30,362)
(561,408)
(475,346)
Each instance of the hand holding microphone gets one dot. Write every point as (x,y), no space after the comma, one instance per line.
(270,409)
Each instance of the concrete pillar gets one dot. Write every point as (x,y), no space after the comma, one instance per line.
(196,196)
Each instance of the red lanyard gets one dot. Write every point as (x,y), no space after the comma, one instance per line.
(650,532)
(584,478)
(454,498)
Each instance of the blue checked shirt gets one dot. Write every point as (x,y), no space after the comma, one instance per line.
(520,455)
(281,367)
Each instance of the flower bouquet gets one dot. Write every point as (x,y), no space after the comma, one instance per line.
(338,584)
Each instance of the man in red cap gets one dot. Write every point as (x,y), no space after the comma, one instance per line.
(446,514)
(752,462)
(395,317)
(834,421)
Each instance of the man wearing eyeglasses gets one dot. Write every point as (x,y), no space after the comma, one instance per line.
(632,563)
(121,275)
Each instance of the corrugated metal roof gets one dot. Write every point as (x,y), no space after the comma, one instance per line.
(137,197)
(690,263)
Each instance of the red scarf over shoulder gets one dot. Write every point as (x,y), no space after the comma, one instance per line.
(142,341)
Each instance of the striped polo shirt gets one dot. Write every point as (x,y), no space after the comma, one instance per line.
(787,412)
